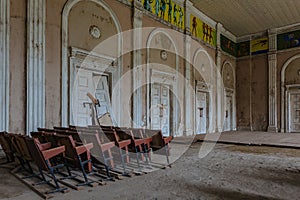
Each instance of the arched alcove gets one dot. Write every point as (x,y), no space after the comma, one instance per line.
(162,90)
(82,52)
(290,95)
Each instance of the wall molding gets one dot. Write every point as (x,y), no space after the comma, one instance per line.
(283,102)
(4,60)
(231,91)
(65,108)
(36,17)
(137,69)
(175,84)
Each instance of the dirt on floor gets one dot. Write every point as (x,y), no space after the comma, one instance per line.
(227,172)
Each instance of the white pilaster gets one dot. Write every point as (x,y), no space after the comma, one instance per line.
(219,89)
(36,14)
(137,69)
(4,66)
(189,95)
(272,62)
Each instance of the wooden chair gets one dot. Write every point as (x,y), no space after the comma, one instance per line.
(136,144)
(109,134)
(42,155)
(20,151)
(101,152)
(77,156)
(139,133)
(159,142)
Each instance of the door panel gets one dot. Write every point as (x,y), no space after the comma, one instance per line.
(228,114)
(97,85)
(160,108)
(295,113)
(201,112)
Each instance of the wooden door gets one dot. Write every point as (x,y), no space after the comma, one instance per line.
(294,109)
(97,85)
(228,114)
(201,112)
(160,108)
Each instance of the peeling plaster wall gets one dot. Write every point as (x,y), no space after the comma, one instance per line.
(252,79)
(17,61)
(259,93)
(53,62)
(242,93)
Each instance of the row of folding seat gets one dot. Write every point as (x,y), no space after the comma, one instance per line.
(71,147)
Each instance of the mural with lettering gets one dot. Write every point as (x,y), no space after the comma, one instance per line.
(228,46)
(260,45)
(288,40)
(167,10)
(203,31)
(243,49)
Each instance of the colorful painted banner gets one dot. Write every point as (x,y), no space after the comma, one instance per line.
(288,40)
(167,10)
(243,49)
(260,45)
(203,31)
(228,46)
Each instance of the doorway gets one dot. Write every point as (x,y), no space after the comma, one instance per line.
(160,107)
(228,114)
(202,112)
(97,85)
(294,112)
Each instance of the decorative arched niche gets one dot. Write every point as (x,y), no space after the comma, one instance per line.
(162,69)
(90,42)
(229,104)
(203,68)
(290,95)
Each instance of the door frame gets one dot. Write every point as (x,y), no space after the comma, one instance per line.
(290,89)
(96,63)
(169,79)
(205,88)
(229,93)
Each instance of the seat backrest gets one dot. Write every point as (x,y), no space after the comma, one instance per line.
(21,142)
(39,135)
(69,143)
(137,133)
(15,146)
(157,137)
(50,137)
(124,134)
(73,133)
(36,154)
(90,136)
(4,143)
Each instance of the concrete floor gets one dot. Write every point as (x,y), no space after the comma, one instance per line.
(200,171)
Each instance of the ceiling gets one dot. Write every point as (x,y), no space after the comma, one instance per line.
(244,17)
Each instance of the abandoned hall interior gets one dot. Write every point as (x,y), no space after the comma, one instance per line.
(155,73)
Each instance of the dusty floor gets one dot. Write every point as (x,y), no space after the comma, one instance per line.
(227,172)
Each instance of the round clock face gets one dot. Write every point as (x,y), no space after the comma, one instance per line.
(95,32)
(163,55)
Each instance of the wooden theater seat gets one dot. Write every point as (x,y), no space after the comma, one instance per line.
(77,155)
(42,155)
(108,134)
(160,143)
(102,152)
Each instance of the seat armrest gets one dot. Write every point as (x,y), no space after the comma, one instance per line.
(107,146)
(45,146)
(168,139)
(50,153)
(83,148)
